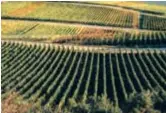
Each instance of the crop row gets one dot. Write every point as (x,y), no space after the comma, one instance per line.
(153,22)
(81,35)
(50,76)
(77,13)
(118,38)
(15,29)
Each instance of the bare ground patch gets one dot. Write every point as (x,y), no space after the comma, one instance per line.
(13,103)
(26,10)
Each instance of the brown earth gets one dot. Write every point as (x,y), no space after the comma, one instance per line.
(26,10)
(14,104)
(87,34)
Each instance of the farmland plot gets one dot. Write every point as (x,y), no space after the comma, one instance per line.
(53,74)
(78,14)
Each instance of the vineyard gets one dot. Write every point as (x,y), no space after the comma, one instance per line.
(78,14)
(37,29)
(120,38)
(60,33)
(52,72)
(153,23)
(133,5)
(87,57)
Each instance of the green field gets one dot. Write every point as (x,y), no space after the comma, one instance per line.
(55,70)
(153,23)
